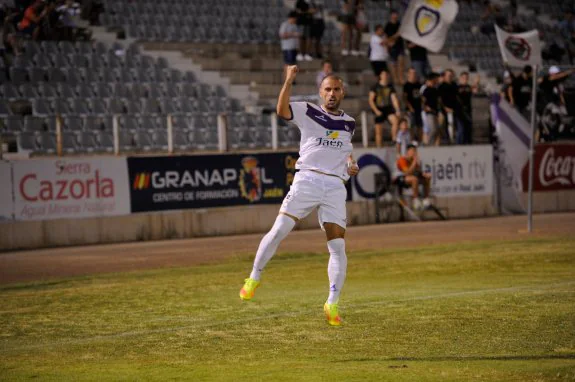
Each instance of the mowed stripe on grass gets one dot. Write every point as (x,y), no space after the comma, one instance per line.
(481,311)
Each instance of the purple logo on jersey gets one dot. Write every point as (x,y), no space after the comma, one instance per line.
(327,122)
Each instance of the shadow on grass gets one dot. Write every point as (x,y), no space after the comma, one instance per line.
(466,358)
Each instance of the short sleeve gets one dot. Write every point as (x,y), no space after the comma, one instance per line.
(282,29)
(298,112)
(374,88)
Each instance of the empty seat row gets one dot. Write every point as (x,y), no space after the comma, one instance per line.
(89,60)
(115,89)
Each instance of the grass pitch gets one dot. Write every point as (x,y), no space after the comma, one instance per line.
(482,311)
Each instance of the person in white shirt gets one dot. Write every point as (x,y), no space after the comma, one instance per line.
(325,164)
(378,53)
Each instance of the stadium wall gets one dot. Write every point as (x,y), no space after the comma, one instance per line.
(97,200)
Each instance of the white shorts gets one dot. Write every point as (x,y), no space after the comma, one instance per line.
(310,190)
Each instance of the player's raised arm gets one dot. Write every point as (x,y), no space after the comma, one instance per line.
(282,107)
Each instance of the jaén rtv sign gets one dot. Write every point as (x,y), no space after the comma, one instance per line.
(70,188)
(554,168)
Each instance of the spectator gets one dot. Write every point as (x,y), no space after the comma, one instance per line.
(385,105)
(419,60)
(91,10)
(12,43)
(350,35)
(317,26)
(403,137)
(304,21)
(34,14)
(449,103)
(520,90)
(465,92)
(430,104)
(396,48)
(326,70)
(409,173)
(551,85)
(378,54)
(412,102)
(289,35)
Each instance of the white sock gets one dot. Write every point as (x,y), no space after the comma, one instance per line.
(269,244)
(336,268)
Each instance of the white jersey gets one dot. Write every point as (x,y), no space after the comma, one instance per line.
(325,143)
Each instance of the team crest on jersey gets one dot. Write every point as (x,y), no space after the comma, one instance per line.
(332,134)
(426,20)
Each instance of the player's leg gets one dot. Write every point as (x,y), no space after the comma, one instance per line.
(298,203)
(332,216)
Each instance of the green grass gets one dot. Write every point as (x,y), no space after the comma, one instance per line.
(482,311)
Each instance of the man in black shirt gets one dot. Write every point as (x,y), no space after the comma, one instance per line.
(430,104)
(395,47)
(449,103)
(385,105)
(465,92)
(520,90)
(418,57)
(551,85)
(412,101)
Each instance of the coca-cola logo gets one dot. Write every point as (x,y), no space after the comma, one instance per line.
(556,170)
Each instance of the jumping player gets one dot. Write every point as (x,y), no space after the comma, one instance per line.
(325,163)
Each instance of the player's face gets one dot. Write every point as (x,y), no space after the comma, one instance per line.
(331,92)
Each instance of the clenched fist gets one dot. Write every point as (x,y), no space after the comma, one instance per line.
(352,168)
(291,72)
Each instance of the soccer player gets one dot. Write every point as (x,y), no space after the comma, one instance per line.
(325,163)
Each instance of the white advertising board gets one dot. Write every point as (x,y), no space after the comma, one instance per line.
(70,188)
(6,201)
(455,170)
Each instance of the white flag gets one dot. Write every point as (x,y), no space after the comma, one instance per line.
(426,22)
(519,49)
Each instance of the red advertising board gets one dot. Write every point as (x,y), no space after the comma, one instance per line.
(554,168)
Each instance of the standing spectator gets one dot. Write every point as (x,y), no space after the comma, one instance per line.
(385,105)
(449,103)
(430,104)
(289,35)
(403,137)
(507,80)
(551,85)
(326,70)
(304,20)
(350,35)
(396,48)
(412,102)
(10,37)
(520,90)
(378,54)
(317,26)
(419,60)
(465,92)
(30,23)
(410,173)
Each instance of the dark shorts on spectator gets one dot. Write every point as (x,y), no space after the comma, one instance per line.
(289,56)
(385,112)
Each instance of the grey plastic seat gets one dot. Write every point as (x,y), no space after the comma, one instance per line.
(41,61)
(12,124)
(61,106)
(129,122)
(98,106)
(148,122)
(56,75)
(37,75)
(66,47)
(102,90)
(47,90)
(116,105)
(41,106)
(137,91)
(189,90)
(79,106)
(105,141)
(169,105)
(182,122)
(143,140)
(84,91)
(87,141)
(151,106)
(73,123)
(120,90)
(126,139)
(188,105)
(9,90)
(131,106)
(46,142)
(160,139)
(26,141)
(69,142)
(181,140)
(66,91)
(28,91)
(18,75)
